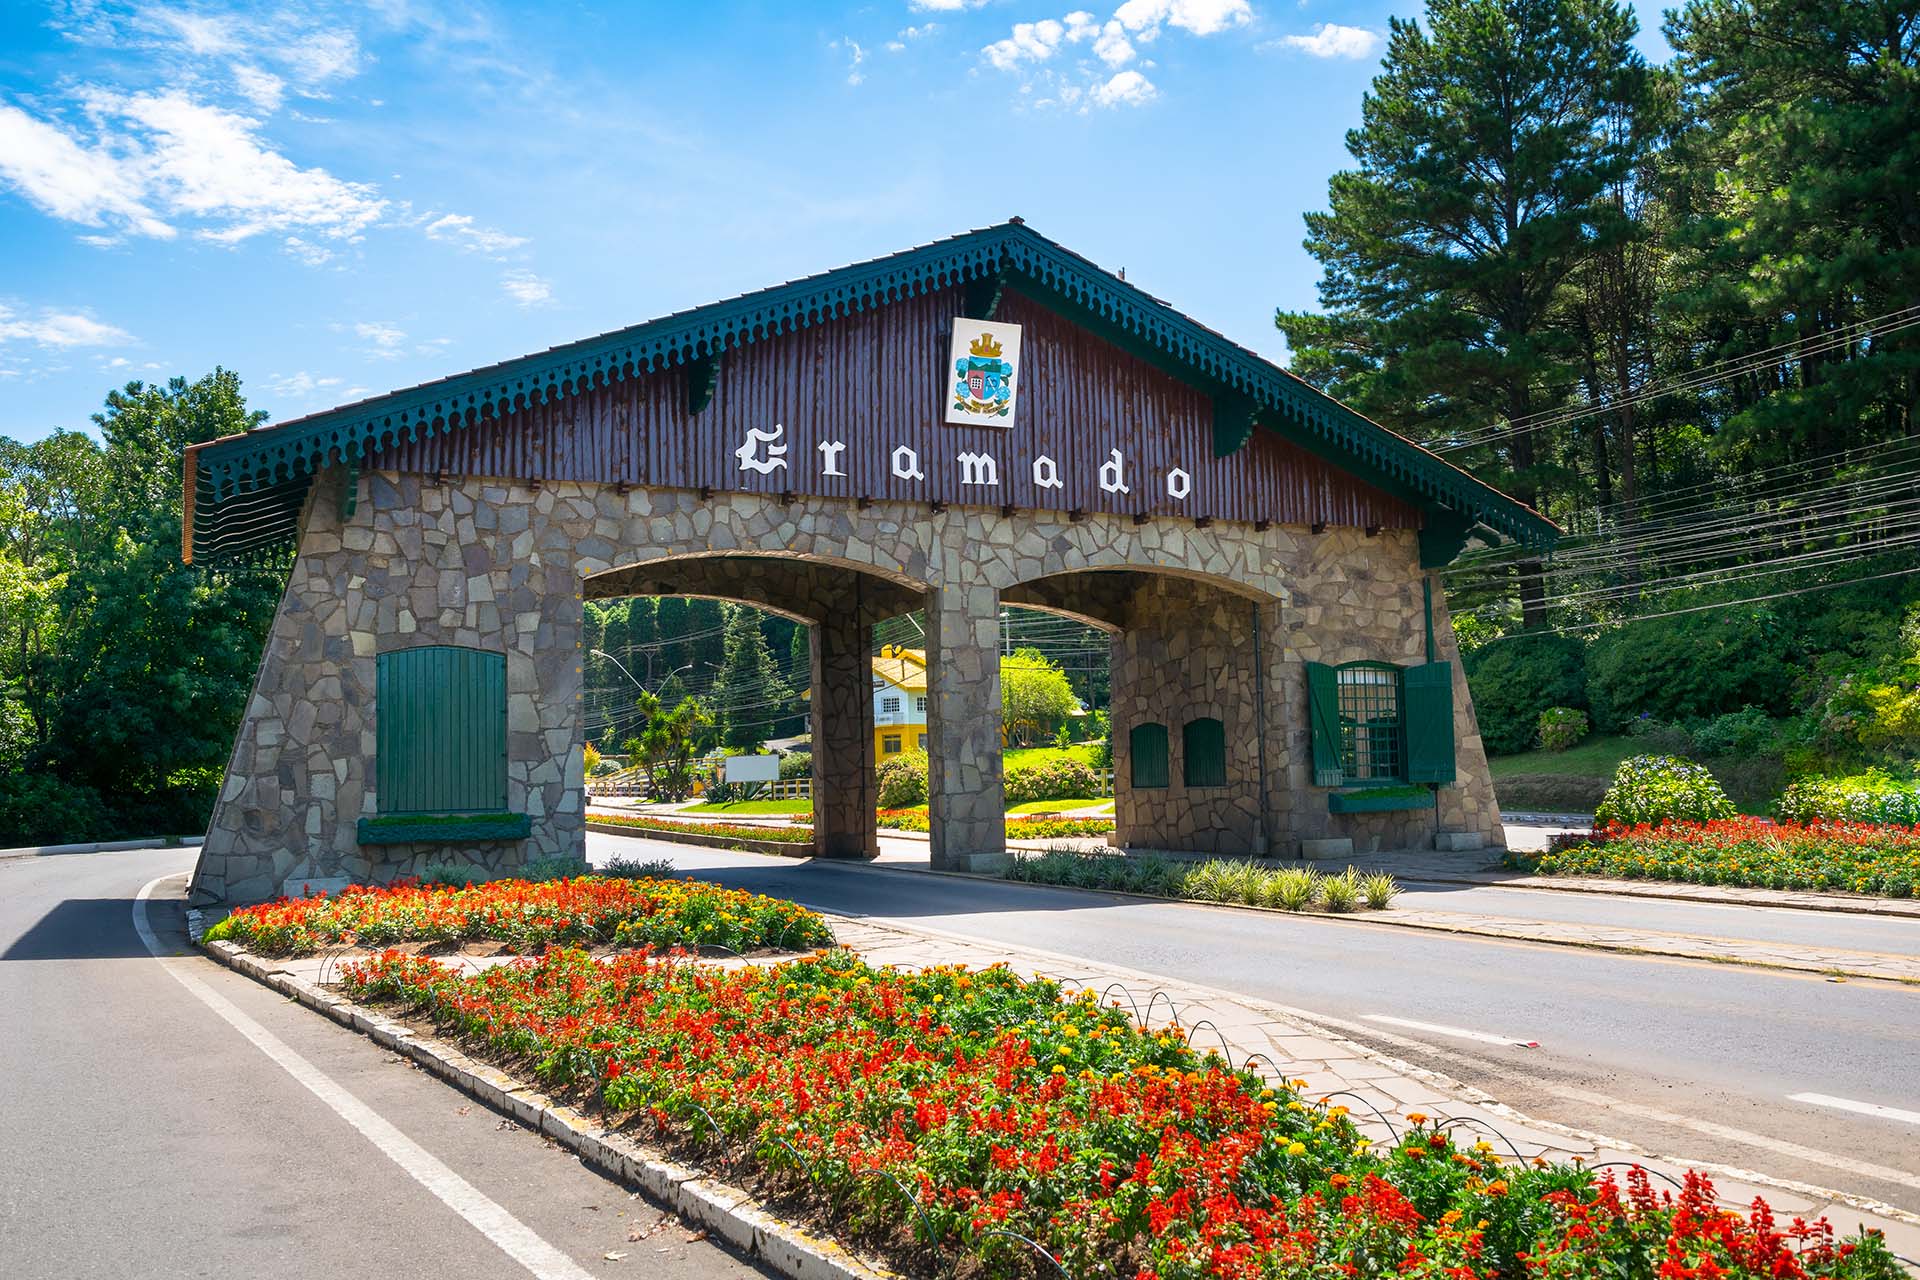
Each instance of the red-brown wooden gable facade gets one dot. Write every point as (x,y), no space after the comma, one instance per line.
(877,381)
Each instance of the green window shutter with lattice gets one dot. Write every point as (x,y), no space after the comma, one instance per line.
(1147,746)
(441,745)
(1323,719)
(1429,713)
(1203,751)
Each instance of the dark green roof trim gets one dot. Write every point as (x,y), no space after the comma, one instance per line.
(273,466)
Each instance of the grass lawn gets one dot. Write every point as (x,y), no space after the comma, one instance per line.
(753,806)
(1018,757)
(1061,806)
(1598,756)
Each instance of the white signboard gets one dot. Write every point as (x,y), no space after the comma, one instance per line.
(753,768)
(983,373)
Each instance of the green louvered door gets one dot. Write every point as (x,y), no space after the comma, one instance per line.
(1323,720)
(1428,693)
(1147,752)
(1203,753)
(442,742)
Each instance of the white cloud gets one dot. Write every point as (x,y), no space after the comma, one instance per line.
(58,329)
(1114,43)
(164,153)
(855,55)
(1332,40)
(526,288)
(389,341)
(72,182)
(299,386)
(1127,88)
(945,6)
(1200,17)
(459,229)
(907,35)
(262,88)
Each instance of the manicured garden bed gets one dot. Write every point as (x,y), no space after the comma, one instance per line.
(791,833)
(938,1116)
(1854,857)
(1229,880)
(1024,828)
(587,910)
(760,807)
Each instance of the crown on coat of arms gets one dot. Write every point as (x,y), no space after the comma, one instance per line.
(984,346)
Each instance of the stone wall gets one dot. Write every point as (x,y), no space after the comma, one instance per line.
(1187,649)
(503,566)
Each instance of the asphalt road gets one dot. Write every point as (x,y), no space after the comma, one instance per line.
(146,1136)
(1628,1045)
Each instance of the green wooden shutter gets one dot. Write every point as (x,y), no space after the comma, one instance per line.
(1147,747)
(441,745)
(1203,750)
(1323,719)
(1428,701)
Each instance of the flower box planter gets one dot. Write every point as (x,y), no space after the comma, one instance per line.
(1380,800)
(447,828)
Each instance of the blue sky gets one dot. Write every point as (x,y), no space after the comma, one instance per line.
(337,199)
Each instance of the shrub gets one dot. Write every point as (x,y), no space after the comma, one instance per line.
(1341,892)
(590,759)
(1293,889)
(1874,796)
(1691,667)
(1059,778)
(1746,732)
(625,868)
(38,808)
(796,764)
(450,876)
(903,781)
(1660,737)
(1379,890)
(1653,789)
(1562,727)
(1513,681)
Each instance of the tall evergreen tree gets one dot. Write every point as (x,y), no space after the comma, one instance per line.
(1802,179)
(751,695)
(1489,145)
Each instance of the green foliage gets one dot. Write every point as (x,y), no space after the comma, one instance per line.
(1035,698)
(1873,707)
(796,764)
(38,809)
(1562,728)
(1101,756)
(1061,778)
(1874,796)
(903,781)
(667,743)
(1654,789)
(1514,680)
(1225,880)
(750,694)
(622,867)
(1746,732)
(1691,667)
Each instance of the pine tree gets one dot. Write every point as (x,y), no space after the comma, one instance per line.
(751,694)
(1489,146)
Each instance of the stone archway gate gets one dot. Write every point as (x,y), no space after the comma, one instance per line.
(987,419)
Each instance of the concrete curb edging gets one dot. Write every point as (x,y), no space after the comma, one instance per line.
(103,846)
(726,1211)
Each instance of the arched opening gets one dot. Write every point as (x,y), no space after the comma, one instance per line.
(794,668)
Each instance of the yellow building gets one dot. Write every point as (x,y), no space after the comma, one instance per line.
(899,701)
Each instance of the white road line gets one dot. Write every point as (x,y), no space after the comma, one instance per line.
(1458,1033)
(518,1241)
(1863,1108)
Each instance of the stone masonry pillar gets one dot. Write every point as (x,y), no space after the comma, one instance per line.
(966,800)
(844,789)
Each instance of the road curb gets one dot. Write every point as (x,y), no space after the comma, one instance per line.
(102,846)
(726,1211)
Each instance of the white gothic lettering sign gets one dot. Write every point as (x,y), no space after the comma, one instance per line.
(983,374)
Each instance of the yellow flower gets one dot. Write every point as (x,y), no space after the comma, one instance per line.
(1296,1148)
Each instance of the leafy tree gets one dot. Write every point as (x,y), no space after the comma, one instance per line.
(1489,148)
(1035,698)
(667,744)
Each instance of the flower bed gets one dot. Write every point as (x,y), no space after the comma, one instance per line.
(586,910)
(792,833)
(1233,880)
(1039,827)
(1858,857)
(949,1112)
